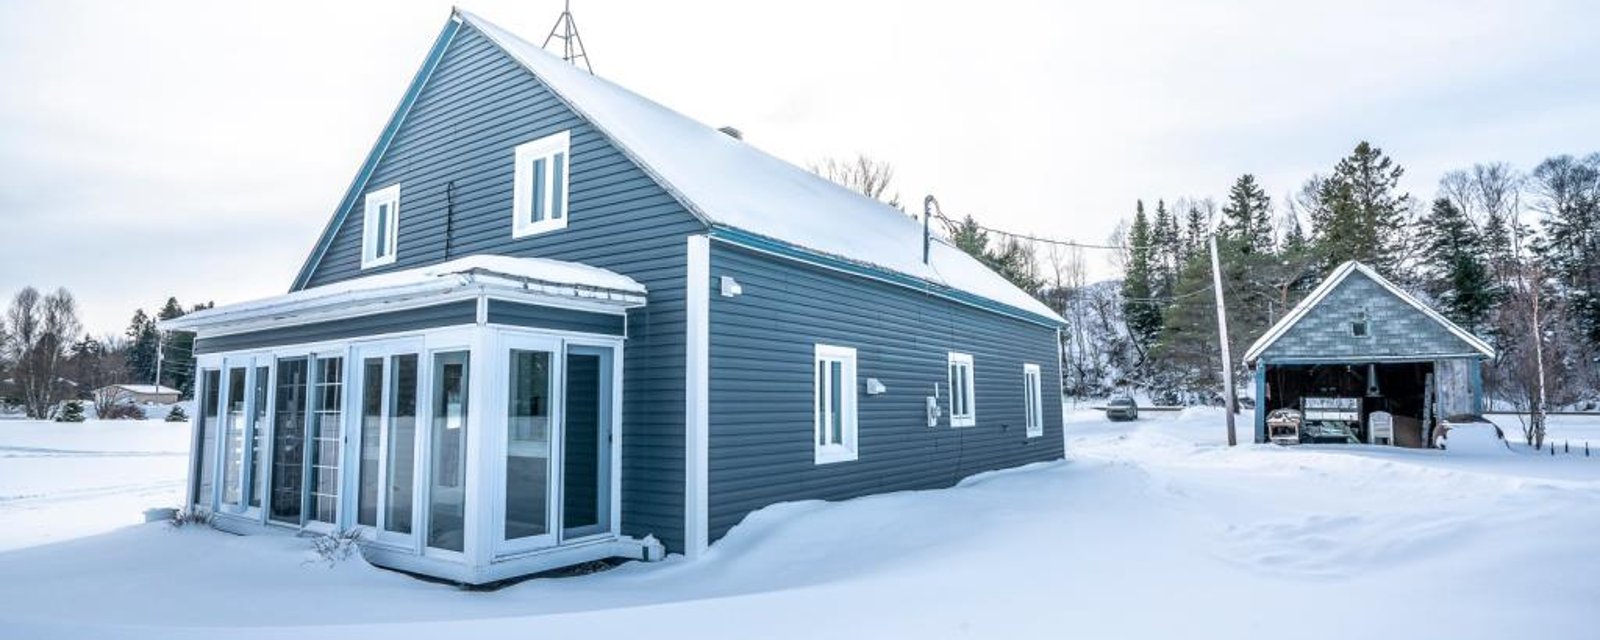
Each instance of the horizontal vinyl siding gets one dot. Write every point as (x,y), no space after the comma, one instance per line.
(475,108)
(762,345)
(542,317)
(464,312)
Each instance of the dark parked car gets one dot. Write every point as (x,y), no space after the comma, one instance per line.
(1122,408)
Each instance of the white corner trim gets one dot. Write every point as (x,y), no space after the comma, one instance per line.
(696,423)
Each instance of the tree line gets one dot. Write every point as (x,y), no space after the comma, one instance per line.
(1511,255)
(46,358)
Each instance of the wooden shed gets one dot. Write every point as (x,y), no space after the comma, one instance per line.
(1357,346)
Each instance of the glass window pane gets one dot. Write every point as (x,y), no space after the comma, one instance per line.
(528,445)
(835,402)
(583,444)
(205,463)
(371,436)
(402,442)
(540,189)
(288,440)
(558,173)
(447,496)
(381,233)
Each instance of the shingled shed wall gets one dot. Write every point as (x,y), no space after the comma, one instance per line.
(1395,328)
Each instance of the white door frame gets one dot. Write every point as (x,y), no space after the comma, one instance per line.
(385,351)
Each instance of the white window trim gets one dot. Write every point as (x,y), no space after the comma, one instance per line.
(845,450)
(522,223)
(389,195)
(970,418)
(1033,395)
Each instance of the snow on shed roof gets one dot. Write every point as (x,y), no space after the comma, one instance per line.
(728,182)
(1332,282)
(145,388)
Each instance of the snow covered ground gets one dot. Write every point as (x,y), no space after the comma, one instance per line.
(1148,530)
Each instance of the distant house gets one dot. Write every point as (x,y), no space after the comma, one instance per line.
(139,393)
(1357,346)
(552,321)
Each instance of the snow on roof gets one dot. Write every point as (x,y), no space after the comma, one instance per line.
(535,275)
(729,182)
(1332,282)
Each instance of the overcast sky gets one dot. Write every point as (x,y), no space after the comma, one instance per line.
(196,149)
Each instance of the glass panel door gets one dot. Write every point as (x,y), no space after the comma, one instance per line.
(400,444)
(205,459)
(327,421)
(255,469)
(288,441)
(235,430)
(585,442)
(370,441)
(528,514)
(448,456)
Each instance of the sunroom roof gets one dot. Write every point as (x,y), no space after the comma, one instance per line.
(539,277)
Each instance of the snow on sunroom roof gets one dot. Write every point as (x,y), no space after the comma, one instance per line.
(731,183)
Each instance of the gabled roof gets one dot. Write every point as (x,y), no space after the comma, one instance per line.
(728,183)
(1331,283)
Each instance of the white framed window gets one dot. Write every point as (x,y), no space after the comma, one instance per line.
(381,229)
(539,191)
(962,412)
(834,387)
(1034,398)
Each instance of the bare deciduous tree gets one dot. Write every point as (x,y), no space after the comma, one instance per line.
(41,328)
(862,174)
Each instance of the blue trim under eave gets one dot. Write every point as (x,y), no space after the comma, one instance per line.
(360,183)
(801,254)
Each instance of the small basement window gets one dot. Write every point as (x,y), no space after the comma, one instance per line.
(962,413)
(834,419)
(1033,399)
(381,229)
(539,190)
(1359,327)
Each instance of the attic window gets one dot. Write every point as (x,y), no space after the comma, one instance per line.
(1358,326)
(381,227)
(539,191)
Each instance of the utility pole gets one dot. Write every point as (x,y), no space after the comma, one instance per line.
(160,350)
(1222,338)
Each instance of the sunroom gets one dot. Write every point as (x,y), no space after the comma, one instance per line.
(464,418)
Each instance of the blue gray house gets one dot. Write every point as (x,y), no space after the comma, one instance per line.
(552,321)
(1358,345)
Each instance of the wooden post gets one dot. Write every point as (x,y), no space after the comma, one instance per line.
(1222,338)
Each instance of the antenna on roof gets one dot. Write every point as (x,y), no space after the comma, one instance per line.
(566,30)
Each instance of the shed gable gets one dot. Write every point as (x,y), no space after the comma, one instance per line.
(1396,328)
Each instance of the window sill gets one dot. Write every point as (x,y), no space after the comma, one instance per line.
(961,423)
(377,262)
(536,228)
(830,455)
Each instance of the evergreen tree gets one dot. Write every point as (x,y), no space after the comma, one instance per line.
(1247,216)
(1013,259)
(142,345)
(71,411)
(1453,268)
(1294,237)
(1194,234)
(177,351)
(971,238)
(1140,310)
(1364,211)
(1163,252)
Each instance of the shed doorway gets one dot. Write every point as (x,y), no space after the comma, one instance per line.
(1403,389)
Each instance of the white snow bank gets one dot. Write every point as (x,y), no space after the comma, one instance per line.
(1477,438)
(1152,530)
(733,183)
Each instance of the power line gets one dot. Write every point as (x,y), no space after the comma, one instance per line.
(951,224)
